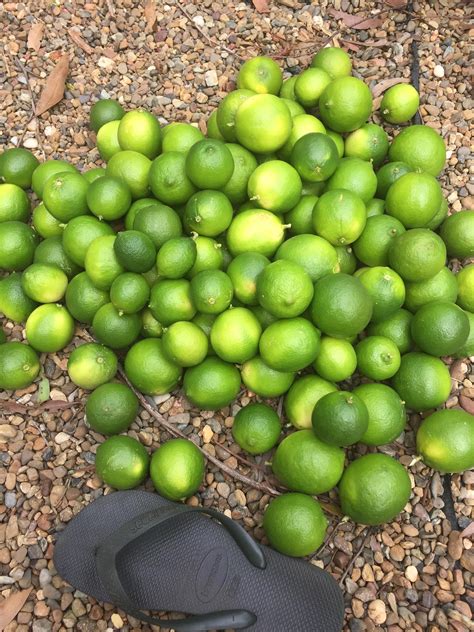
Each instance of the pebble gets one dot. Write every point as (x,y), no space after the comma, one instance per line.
(397,553)
(42,625)
(207,434)
(411,573)
(223,489)
(455,547)
(7,431)
(377,611)
(117,621)
(438,71)
(10,500)
(44,577)
(61,438)
(210,77)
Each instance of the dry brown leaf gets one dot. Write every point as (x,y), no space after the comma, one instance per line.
(12,605)
(35,36)
(53,90)
(77,39)
(385,84)
(261,6)
(351,45)
(150,14)
(396,4)
(356,21)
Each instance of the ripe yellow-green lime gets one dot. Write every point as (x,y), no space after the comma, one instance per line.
(177,469)
(171,300)
(310,85)
(378,358)
(284,289)
(208,255)
(275,186)
(300,218)
(445,440)
(417,254)
(465,281)
(51,251)
(302,397)
(211,291)
(315,157)
(440,328)
(227,111)
(341,305)
(264,381)
(400,103)
(14,203)
(355,175)
(374,489)
(209,164)
(140,131)
(373,244)
(129,293)
(340,418)
(19,365)
(185,343)
(260,74)
(44,283)
(83,299)
(121,462)
(176,257)
(14,303)
(387,415)
(420,147)
(179,137)
(111,408)
(258,114)
(45,224)
(303,124)
(414,199)
(386,289)
(132,167)
(289,344)
(439,217)
(149,369)
(256,428)
(78,235)
(103,111)
(17,246)
(345,104)
(369,142)
(65,195)
(151,328)
(314,254)
(295,524)
(423,382)
(295,108)
(243,271)
(168,180)
(305,464)
(338,141)
(212,384)
(91,365)
(336,360)
(388,174)
(49,328)
(135,251)
(335,61)
(101,263)
(339,216)
(208,213)
(245,164)
(213,130)
(457,232)
(346,259)
(17,165)
(107,140)
(287,90)
(46,170)
(255,230)
(235,335)
(441,287)
(375,206)
(397,327)
(109,198)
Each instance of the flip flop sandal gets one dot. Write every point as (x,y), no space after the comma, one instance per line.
(141,552)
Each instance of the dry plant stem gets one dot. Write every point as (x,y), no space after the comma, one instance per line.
(241,458)
(33,105)
(356,555)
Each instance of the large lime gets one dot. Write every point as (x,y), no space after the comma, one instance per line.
(212,384)
(149,369)
(177,469)
(423,382)
(302,397)
(111,408)
(121,462)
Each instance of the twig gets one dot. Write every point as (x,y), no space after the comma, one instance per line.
(328,541)
(33,105)
(239,457)
(355,556)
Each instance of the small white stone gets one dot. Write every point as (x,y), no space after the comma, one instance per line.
(210,77)
(198,20)
(207,434)
(61,437)
(106,63)
(438,71)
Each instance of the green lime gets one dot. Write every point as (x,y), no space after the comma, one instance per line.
(91,365)
(135,251)
(445,441)
(44,283)
(355,175)
(260,74)
(17,246)
(386,289)
(180,137)
(339,216)
(264,381)
(121,462)
(314,254)
(373,244)
(467,350)
(346,260)
(46,170)
(422,381)
(208,255)
(287,90)
(151,328)
(338,141)
(243,272)
(129,293)
(19,365)
(168,180)
(211,291)
(45,224)
(140,131)
(171,300)
(111,408)
(149,369)
(387,415)
(310,85)
(208,213)
(14,303)
(205,322)
(396,327)
(378,358)
(465,282)
(49,328)
(65,195)
(440,328)
(255,230)
(388,174)
(336,360)
(335,61)
(340,418)
(290,344)
(235,335)
(414,199)
(303,124)
(3,337)
(302,397)
(17,165)
(115,329)
(51,251)
(369,142)
(107,140)
(440,216)
(305,464)
(14,203)
(284,289)
(374,489)
(294,108)
(420,147)
(341,305)
(176,257)
(263,317)
(177,469)
(441,287)
(375,207)
(211,385)
(94,174)
(258,114)
(213,130)
(227,111)
(103,111)
(400,103)
(133,167)
(275,186)
(315,157)
(256,428)
(78,235)
(209,164)
(244,165)
(83,299)
(345,104)
(457,232)
(101,263)
(109,198)
(300,218)
(185,343)
(159,222)
(417,254)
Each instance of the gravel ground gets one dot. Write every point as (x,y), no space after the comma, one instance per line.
(412,574)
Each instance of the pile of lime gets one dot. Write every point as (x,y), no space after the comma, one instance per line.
(293,245)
